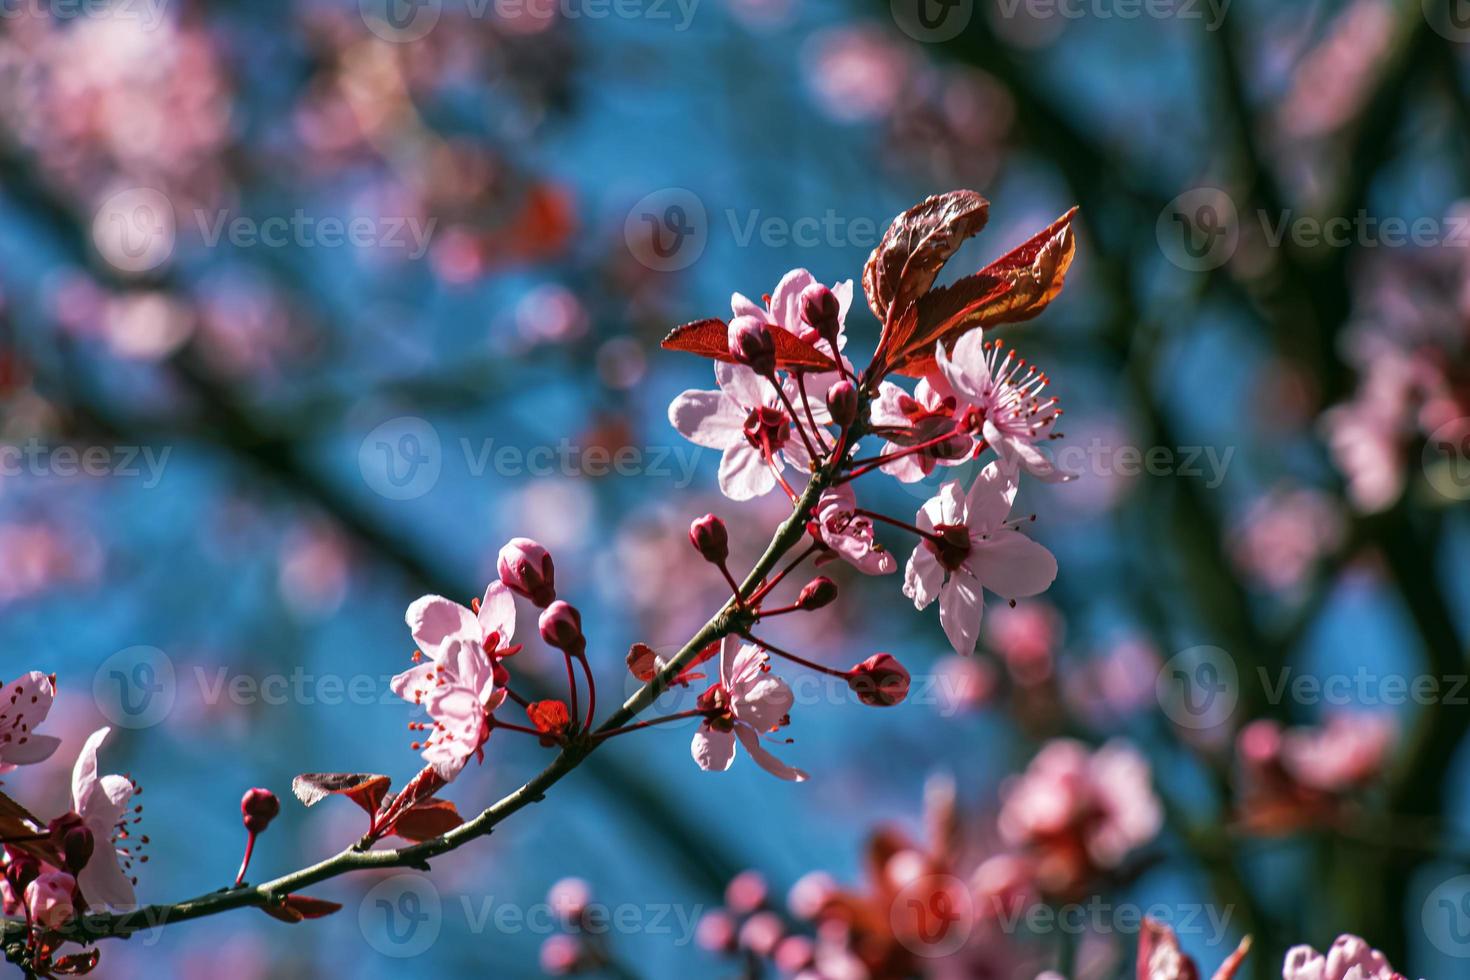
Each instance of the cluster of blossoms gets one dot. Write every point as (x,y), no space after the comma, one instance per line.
(1308,777)
(83,859)
(948,906)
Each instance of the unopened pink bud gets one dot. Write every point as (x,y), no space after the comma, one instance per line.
(49,898)
(817,593)
(710,539)
(880,681)
(822,312)
(751,344)
(259,807)
(842,402)
(561,627)
(525,568)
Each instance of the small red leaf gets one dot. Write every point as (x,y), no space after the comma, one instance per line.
(642,662)
(366,789)
(916,246)
(551,718)
(1013,288)
(294,908)
(428,819)
(76,964)
(710,338)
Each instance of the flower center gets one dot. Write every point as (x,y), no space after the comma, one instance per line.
(951,545)
(715,703)
(767,427)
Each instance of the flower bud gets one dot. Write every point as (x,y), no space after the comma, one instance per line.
(710,539)
(525,568)
(751,344)
(842,402)
(259,807)
(21,870)
(561,627)
(880,681)
(73,841)
(817,593)
(49,897)
(822,312)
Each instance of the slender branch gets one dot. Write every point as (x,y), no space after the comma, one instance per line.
(732,617)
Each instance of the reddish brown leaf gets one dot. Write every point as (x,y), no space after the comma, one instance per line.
(16,823)
(1013,288)
(366,789)
(916,246)
(642,662)
(710,338)
(76,964)
(428,819)
(294,908)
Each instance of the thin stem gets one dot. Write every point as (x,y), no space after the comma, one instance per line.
(591,695)
(926,535)
(245,862)
(794,658)
(90,927)
(806,404)
(765,590)
(639,726)
(571,684)
(512,726)
(796,421)
(730,580)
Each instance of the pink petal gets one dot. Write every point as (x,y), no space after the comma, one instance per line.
(960,609)
(707,418)
(966,370)
(1012,565)
(945,507)
(84,771)
(742,305)
(730,659)
(922,577)
(743,386)
(713,751)
(498,612)
(990,498)
(765,759)
(786,300)
(433,619)
(762,702)
(744,474)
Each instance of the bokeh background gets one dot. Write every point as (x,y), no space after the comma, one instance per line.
(292,435)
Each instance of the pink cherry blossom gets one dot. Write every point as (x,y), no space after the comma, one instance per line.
(1073,800)
(850,534)
(1008,394)
(748,702)
(458,684)
(24,703)
(974,547)
(1349,958)
(1343,754)
(746,419)
(783,308)
(910,420)
(102,803)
